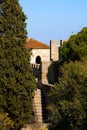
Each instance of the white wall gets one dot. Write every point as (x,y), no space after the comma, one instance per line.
(43,53)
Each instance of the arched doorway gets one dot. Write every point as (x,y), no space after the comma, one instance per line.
(38,59)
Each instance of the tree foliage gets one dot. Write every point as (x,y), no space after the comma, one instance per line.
(5,122)
(76,47)
(68,108)
(16,81)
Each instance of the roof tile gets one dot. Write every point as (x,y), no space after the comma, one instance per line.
(32,43)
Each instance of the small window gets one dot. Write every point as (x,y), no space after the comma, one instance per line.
(38,60)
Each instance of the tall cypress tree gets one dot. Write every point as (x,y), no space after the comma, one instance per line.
(16,81)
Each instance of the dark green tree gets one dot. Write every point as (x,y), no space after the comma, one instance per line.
(68,108)
(16,81)
(76,47)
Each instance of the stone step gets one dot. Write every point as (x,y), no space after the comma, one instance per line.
(37,106)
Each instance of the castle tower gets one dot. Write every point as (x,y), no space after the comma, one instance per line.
(54,50)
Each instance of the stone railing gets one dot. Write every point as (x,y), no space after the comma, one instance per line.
(36,70)
(37,66)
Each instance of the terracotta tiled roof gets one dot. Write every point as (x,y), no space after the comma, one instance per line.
(32,43)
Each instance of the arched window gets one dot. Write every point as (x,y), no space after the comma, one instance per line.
(38,60)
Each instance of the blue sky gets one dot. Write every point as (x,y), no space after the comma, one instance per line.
(54,19)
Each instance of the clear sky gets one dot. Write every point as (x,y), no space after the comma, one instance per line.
(54,19)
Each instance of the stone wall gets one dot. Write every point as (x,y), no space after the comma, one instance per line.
(43,53)
(49,72)
(54,50)
(44,69)
(46,72)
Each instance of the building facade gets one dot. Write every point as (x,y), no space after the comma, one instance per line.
(42,52)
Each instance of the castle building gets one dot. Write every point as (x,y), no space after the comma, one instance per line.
(42,52)
(42,60)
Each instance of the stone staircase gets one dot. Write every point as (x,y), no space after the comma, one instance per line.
(37,106)
(37,126)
